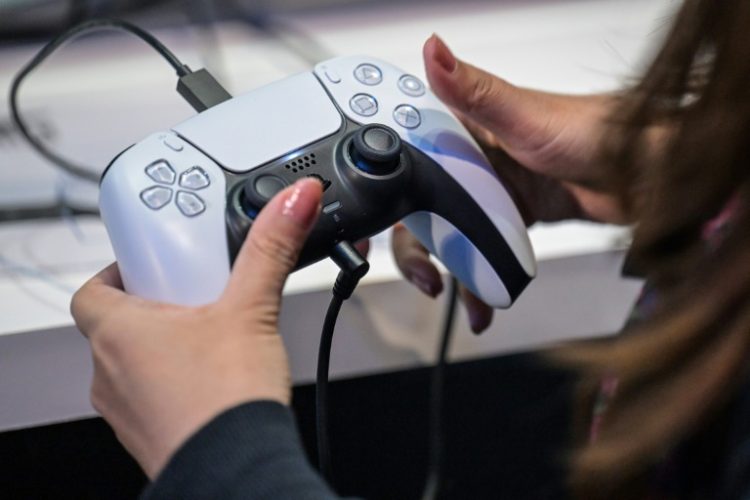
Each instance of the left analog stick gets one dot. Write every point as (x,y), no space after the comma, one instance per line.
(257,191)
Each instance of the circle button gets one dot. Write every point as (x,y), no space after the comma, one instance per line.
(368,74)
(407,116)
(364,104)
(411,85)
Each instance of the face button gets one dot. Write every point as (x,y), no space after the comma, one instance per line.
(368,74)
(194,178)
(156,197)
(376,149)
(174,143)
(364,104)
(190,204)
(161,172)
(407,116)
(411,85)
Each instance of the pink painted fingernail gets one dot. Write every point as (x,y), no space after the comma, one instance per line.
(424,282)
(423,285)
(302,201)
(477,321)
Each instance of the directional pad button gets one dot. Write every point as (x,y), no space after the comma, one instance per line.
(190,204)
(194,178)
(161,172)
(156,197)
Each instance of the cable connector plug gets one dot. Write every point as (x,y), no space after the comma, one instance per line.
(201,90)
(353,268)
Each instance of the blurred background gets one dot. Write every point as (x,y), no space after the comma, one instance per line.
(507,413)
(106,91)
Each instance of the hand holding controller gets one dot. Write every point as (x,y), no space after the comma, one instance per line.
(179,204)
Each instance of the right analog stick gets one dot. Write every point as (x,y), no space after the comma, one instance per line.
(376,149)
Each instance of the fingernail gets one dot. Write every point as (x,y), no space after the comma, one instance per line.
(477,322)
(423,285)
(424,281)
(302,202)
(443,55)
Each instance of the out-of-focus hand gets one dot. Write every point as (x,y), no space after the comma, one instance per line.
(543,146)
(162,371)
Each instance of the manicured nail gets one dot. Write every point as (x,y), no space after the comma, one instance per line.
(425,281)
(443,55)
(302,202)
(423,285)
(477,321)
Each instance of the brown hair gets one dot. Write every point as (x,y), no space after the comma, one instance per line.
(678,369)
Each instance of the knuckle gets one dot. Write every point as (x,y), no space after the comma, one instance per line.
(482,92)
(264,317)
(275,248)
(106,344)
(76,303)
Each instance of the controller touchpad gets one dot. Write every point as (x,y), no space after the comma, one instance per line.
(255,128)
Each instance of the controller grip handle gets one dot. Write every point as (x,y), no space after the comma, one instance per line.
(471,241)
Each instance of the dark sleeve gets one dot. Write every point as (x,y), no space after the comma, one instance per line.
(250,451)
(735,483)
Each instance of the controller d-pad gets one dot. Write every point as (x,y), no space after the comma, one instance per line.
(156,197)
(368,74)
(364,104)
(194,178)
(407,116)
(161,172)
(190,204)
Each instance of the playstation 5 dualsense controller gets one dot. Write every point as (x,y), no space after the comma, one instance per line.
(179,204)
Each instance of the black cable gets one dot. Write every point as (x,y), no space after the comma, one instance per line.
(353,267)
(42,212)
(95,24)
(436,440)
(321,388)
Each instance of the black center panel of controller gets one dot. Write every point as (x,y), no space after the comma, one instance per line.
(358,201)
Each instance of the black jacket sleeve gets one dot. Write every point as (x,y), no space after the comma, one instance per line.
(250,451)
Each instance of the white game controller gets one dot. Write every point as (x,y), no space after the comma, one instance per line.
(178,204)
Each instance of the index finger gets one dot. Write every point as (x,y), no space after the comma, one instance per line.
(97,297)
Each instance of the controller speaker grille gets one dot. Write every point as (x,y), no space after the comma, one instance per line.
(301,163)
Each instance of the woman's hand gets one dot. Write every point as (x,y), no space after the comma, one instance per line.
(543,146)
(161,371)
